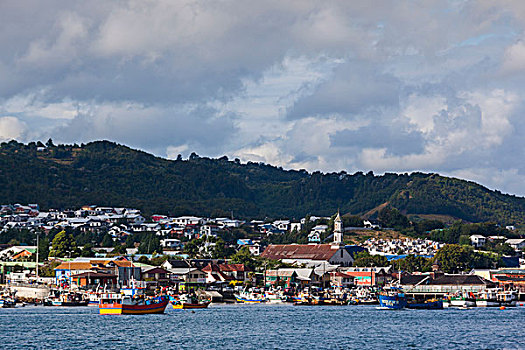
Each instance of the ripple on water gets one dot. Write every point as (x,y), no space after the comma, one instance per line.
(263,327)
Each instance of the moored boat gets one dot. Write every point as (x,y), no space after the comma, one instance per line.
(462,299)
(487,298)
(392,298)
(189,302)
(433,304)
(117,304)
(63,298)
(249,298)
(507,298)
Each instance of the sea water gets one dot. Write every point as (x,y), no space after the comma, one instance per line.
(264,327)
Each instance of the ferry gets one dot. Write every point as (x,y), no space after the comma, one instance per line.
(392,298)
(118,304)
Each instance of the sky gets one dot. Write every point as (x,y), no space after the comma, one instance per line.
(388,86)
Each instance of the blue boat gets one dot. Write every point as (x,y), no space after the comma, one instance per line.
(392,298)
(426,305)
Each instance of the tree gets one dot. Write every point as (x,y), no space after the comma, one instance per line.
(150,244)
(87,251)
(107,241)
(453,258)
(64,245)
(364,259)
(43,249)
(243,256)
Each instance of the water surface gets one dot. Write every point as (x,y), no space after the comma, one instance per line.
(263,327)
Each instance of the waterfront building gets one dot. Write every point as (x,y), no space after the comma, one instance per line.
(310,253)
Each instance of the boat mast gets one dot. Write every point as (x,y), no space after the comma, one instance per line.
(37,258)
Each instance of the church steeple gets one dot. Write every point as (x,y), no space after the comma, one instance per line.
(338,229)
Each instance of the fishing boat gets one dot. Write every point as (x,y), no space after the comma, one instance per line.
(7,303)
(249,298)
(392,298)
(487,298)
(189,302)
(65,298)
(507,298)
(274,297)
(118,304)
(433,304)
(461,299)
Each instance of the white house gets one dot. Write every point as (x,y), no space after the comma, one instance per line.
(297,226)
(516,243)
(477,240)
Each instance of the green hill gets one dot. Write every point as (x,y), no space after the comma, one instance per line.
(105,173)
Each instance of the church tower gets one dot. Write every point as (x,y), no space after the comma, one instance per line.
(338,229)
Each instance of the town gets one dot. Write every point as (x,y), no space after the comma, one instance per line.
(94,248)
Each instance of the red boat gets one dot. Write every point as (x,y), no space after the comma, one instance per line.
(117,304)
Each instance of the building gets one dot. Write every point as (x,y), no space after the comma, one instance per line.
(518,244)
(309,253)
(369,276)
(338,229)
(477,240)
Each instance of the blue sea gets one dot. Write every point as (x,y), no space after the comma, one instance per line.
(223,326)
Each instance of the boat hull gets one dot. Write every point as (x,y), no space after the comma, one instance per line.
(462,302)
(429,305)
(487,303)
(392,302)
(191,305)
(123,309)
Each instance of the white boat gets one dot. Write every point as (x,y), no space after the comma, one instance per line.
(462,299)
(487,298)
(507,298)
(273,297)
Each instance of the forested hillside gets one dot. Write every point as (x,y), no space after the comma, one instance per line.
(105,173)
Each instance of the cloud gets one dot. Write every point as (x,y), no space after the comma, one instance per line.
(389,86)
(11,128)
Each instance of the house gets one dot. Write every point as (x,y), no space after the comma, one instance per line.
(477,240)
(518,244)
(369,276)
(282,225)
(156,274)
(314,237)
(373,224)
(290,277)
(296,226)
(226,272)
(341,279)
(124,270)
(306,253)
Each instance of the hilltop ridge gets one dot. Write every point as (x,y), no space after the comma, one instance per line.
(106,173)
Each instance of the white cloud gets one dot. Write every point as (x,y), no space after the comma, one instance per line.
(11,128)
(388,86)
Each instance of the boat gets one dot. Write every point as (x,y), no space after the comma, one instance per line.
(249,298)
(118,304)
(433,304)
(487,298)
(392,298)
(507,298)
(65,298)
(189,302)
(460,299)
(7,303)
(274,297)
